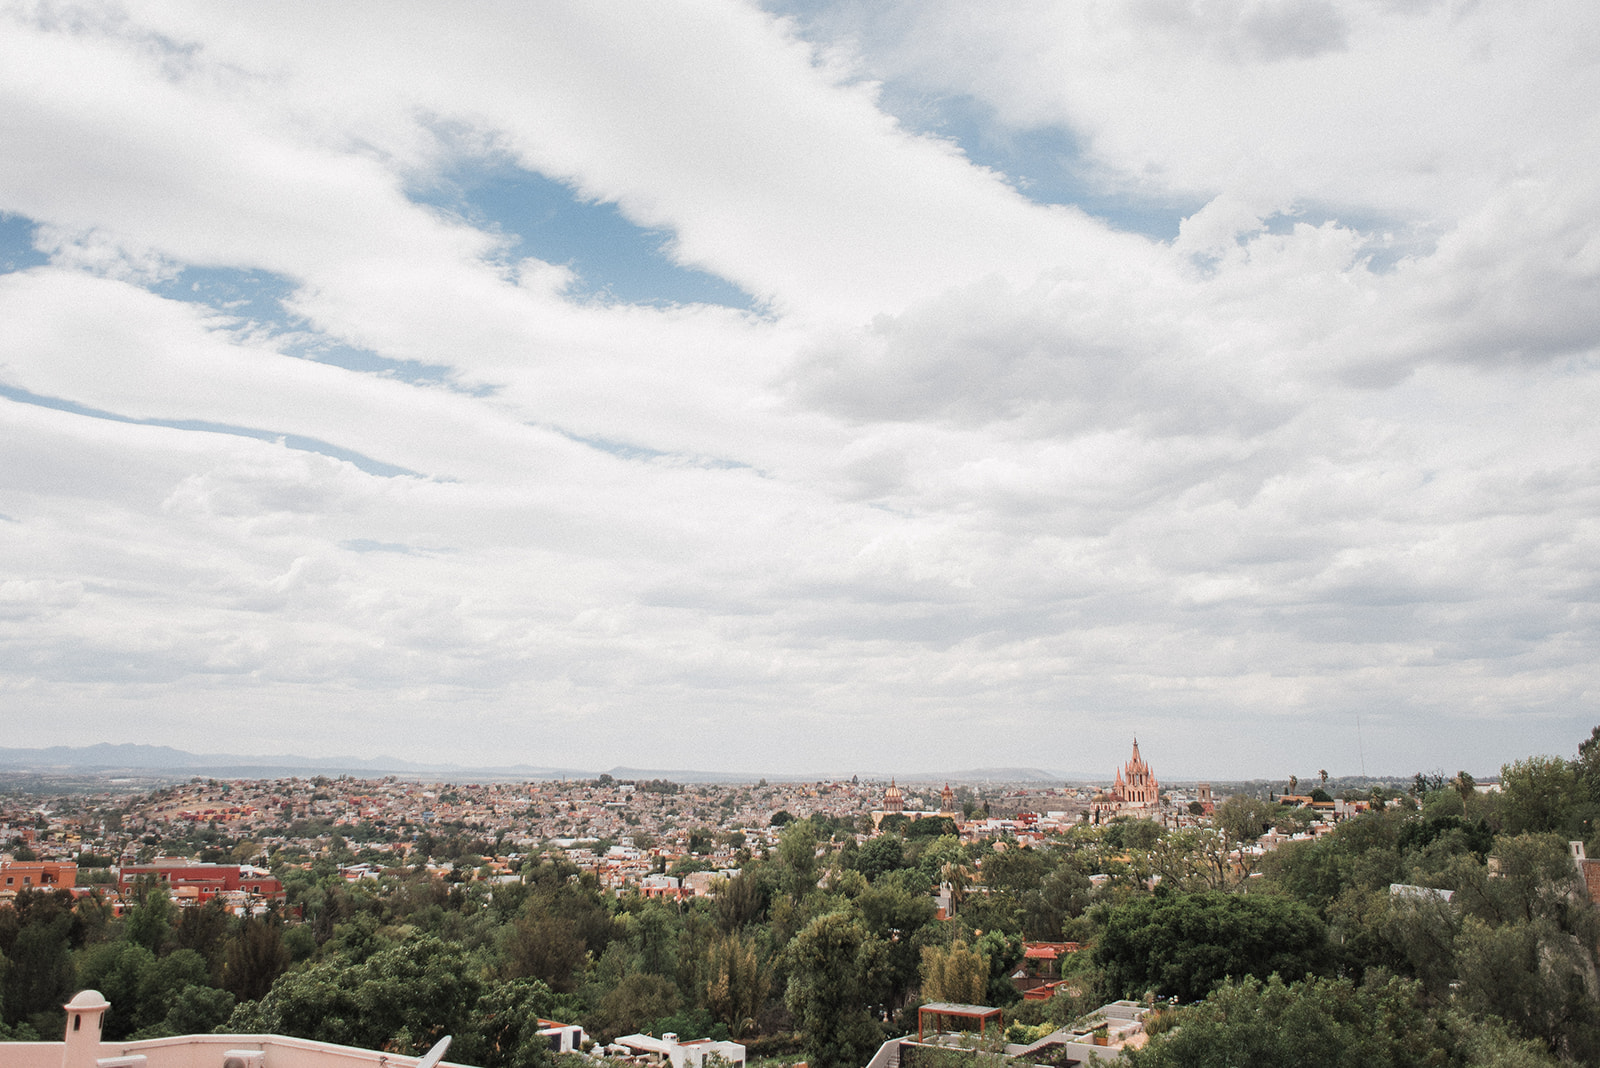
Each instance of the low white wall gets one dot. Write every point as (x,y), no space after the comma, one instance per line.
(206,1051)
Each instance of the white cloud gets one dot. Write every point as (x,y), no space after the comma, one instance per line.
(1414,110)
(980,466)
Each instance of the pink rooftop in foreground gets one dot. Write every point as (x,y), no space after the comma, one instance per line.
(83,1048)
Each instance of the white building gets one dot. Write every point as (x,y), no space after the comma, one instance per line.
(564,1038)
(668,1050)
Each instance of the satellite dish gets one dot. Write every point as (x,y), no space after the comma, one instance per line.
(436,1054)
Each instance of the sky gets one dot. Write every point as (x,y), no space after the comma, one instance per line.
(804,387)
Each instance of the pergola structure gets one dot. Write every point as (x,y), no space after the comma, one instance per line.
(940,1009)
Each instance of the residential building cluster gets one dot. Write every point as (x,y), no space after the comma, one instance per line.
(210,838)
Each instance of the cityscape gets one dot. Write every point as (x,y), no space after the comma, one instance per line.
(844,922)
(800,534)
(622,831)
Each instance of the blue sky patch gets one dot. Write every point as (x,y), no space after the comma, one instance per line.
(367,545)
(1044,164)
(257,299)
(322,349)
(1386,241)
(544,219)
(16,245)
(290,441)
(622,450)
(256,296)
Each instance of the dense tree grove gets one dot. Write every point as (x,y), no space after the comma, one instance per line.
(1183,945)
(1332,1023)
(824,944)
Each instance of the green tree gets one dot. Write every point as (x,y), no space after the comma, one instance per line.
(1539,794)
(1588,762)
(504,1030)
(1014,871)
(898,911)
(879,855)
(1328,1023)
(205,930)
(1003,950)
(941,853)
(831,965)
(196,1010)
(163,983)
(1243,818)
(797,860)
(738,983)
(653,938)
(254,958)
(117,970)
(402,999)
(1539,979)
(547,948)
(741,900)
(1061,895)
(1424,783)
(1141,835)
(1182,945)
(1528,944)
(38,945)
(1423,930)
(1530,877)
(149,922)
(633,1004)
(1315,872)
(956,974)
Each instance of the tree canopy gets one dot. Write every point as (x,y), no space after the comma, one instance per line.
(1182,945)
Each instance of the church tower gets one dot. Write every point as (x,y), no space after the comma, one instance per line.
(1139,786)
(1134,791)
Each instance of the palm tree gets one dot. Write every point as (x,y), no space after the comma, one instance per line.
(1324,774)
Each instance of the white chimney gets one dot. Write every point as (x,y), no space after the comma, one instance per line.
(85,1013)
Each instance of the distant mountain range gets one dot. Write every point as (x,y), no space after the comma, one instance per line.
(108,759)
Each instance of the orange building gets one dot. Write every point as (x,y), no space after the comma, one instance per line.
(16,875)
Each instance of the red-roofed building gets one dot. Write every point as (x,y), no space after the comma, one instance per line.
(188,880)
(1040,965)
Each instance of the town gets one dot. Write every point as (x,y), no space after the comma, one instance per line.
(775,921)
(662,838)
